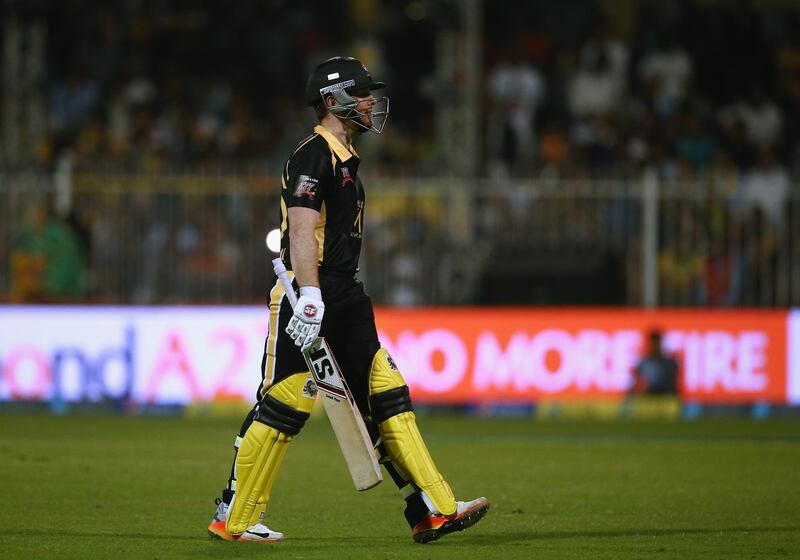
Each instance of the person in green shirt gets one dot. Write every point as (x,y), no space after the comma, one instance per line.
(47,262)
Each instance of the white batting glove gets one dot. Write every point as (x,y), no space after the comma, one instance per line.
(306,322)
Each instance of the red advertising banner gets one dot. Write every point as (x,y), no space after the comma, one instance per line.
(479,354)
(179,355)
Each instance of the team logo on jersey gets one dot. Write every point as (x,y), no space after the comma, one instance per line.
(305,187)
(346,178)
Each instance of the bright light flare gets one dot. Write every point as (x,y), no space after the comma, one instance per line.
(274,241)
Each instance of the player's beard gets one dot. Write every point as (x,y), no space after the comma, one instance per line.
(359,130)
(356,129)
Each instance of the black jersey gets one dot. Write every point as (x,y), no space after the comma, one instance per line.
(322,174)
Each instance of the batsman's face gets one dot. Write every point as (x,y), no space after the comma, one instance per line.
(366,101)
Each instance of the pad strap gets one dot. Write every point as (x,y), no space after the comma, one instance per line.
(280,416)
(390,403)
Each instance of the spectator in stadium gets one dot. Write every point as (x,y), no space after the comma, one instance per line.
(72,100)
(680,262)
(721,278)
(767,187)
(553,150)
(516,88)
(760,253)
(666,72)
(734,142)
(597,85)
(761,117)
(594,95)
(47,264)
(694,143)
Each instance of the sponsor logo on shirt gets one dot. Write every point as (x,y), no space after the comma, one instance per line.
(306,187)
(346,178)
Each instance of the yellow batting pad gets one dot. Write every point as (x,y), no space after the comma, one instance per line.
(261,453)
(297,390)
(257,464)
(407,449)
(383,374)
(391,408)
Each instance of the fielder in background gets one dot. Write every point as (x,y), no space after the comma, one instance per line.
(657,372)
(322,217)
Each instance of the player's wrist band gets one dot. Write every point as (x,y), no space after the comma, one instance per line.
(312,292)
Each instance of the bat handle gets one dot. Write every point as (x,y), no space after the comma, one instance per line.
(280,272)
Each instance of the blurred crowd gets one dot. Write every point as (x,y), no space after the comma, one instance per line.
(703,94)
(690,87)
(151,86)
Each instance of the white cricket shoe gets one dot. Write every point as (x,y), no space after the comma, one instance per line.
(254,533)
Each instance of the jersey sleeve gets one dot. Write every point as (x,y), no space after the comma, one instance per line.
(308,177)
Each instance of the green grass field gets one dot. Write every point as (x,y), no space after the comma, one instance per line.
(116,487)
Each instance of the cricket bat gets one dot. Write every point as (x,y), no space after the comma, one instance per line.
(345,418)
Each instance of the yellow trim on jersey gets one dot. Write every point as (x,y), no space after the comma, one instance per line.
(285,174)
(358,226)
(343,152)
(284,217)
(309,139)
(319,232)
(275,299)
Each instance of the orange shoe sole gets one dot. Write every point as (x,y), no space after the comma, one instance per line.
(435,527)
(218,531)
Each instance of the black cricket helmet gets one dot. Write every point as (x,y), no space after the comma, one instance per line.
(338,76)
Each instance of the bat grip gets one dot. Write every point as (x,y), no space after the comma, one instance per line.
(280,272)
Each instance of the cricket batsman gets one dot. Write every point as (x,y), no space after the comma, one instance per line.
(322,219)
